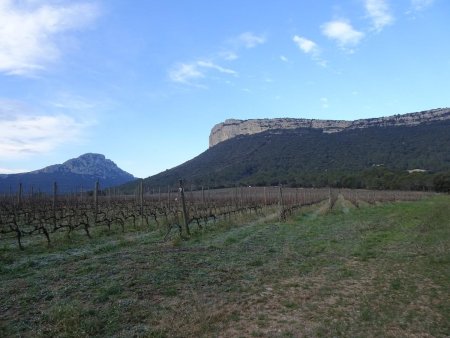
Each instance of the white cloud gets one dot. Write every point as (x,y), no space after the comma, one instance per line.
(30,31)
(233,45)
(419,5)
(307,46)
(343,32)
(310,47)
(250,40)
(325,103)
(74,104)
(23,134)
(187,73)
(378,11)
(229,55)
(211,65)
(284,58)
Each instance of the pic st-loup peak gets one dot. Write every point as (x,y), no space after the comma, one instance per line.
(232,127)
(88,164)
(75,174)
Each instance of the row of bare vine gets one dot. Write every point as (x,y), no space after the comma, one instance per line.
(44,216)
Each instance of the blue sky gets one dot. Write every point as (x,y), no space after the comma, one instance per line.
(143,82)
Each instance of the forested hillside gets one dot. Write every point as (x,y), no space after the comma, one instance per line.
(376,158)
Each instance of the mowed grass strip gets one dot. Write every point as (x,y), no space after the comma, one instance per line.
(372,271)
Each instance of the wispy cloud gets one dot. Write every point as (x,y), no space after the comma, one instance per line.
(309,47)
(419,5)
(23,134)
(284,58)
(30,31)
(250,40)
(228,55)
(185,73)
(379,13)
(211,65)
(324,102)
(343,33)
(188,73)
(73,104)
(246,40)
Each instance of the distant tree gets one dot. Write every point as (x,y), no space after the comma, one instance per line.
(442,182)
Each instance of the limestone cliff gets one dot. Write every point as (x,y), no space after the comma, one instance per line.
(232,128)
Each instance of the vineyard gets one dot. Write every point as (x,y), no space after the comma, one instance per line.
(244,261)
(175,211)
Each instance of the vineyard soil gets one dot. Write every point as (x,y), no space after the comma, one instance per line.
(360,269)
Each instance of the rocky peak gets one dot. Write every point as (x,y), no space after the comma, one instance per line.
(88,164)
(232,127)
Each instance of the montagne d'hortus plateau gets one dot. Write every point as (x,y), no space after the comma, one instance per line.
(74,175)
(407,151)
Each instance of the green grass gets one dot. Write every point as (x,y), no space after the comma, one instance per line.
(375,271)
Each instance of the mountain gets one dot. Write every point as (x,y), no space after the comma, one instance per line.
(407,154)
(71,176)
(232,128)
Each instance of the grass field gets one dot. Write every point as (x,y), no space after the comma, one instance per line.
(378,270)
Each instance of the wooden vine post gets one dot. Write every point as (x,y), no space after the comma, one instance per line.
(141,200)
(330,200)
(265,197)
(159,197)
(241,197)
(19,195)
(96,200)
(280,204)
(185,214)
(55,192)
(168,197)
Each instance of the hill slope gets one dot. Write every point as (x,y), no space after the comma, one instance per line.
(72,175)
(311,157)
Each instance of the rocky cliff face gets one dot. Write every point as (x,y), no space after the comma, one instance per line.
(232,128)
